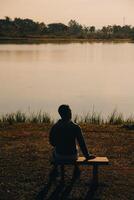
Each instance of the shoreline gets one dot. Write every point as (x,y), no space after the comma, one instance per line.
(20,40)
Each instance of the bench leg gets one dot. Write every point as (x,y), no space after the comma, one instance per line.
(95,175)
(62,172)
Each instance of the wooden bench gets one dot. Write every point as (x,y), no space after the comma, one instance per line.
(96,162)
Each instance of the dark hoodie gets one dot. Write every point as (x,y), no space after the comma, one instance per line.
(63,137)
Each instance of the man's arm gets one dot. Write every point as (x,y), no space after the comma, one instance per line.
(52,136)
(82,143)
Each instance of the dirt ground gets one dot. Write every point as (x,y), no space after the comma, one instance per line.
(25,165)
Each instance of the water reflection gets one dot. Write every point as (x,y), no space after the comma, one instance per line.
(82,75)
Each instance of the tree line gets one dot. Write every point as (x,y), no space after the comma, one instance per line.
(18,27)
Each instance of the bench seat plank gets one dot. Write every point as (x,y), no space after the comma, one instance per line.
(97,160)
(83,161)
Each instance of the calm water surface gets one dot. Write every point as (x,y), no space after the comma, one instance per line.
(86,76)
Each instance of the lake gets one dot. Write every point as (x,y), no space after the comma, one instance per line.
(87,76)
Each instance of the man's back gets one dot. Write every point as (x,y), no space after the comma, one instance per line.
(64,135)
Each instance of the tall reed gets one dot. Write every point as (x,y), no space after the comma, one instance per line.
(114,118)
(20,117)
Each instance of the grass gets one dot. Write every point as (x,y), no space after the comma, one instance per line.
(20,117)
(89,118)
(25,153)
(114,118)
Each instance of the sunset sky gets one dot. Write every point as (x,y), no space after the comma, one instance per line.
(86,12)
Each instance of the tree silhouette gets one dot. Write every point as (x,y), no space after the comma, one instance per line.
(28,28)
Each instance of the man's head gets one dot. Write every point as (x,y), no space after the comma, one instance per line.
(65,112)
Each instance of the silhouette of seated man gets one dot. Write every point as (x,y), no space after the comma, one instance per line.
(64,136)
